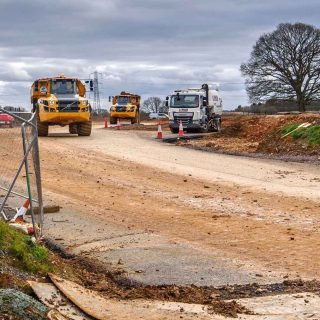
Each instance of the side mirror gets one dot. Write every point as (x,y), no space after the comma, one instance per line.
(204,103)
(167,98)
(167,103)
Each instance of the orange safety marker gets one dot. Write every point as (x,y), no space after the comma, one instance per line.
(19,216)
(118,124)
(181,132)
(159,134)
(105,122)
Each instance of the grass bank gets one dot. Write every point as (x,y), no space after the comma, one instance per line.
(310,134)
(20,251)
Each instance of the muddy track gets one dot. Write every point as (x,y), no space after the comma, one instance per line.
(220,300)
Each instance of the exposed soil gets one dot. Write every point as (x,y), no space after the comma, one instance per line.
(259,228)
(220,300)
(260,135)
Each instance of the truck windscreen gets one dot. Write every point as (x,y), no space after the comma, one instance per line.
(123,100)
(187,101)
(63,87)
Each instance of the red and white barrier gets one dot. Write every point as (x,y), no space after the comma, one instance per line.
(19,216)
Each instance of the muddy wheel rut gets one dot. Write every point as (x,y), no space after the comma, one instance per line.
(219,300)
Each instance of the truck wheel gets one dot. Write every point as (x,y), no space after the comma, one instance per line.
(217,125)
(204,128)
(43,128)
(174,130)
(73,128)
(135,119)
(84,128)
(113,120)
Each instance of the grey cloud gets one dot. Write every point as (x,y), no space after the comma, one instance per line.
(149,46)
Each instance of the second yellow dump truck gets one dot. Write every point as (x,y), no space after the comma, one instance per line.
(125,106)
(61,101)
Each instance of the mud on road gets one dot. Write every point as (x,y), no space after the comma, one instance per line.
(261,217)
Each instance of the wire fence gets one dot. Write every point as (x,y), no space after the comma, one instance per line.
(20,177)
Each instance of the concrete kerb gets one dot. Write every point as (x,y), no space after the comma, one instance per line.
(174,138)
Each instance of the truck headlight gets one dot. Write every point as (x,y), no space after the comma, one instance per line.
(84,102)
(51,102)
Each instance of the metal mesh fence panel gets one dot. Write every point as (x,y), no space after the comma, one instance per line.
(20,168)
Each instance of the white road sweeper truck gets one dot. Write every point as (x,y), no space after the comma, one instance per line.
(198,109)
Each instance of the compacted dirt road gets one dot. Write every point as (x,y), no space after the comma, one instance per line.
(161,217)
(263,214)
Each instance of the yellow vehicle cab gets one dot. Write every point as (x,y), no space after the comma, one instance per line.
(125,106)
(61,101)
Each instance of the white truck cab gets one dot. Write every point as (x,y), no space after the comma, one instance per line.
(198,109)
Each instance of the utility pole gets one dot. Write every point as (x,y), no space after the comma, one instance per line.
(96,93)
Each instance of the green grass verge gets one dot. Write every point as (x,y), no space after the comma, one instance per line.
(22,252)
(310,134)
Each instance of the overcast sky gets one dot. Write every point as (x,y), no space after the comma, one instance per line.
(150,47)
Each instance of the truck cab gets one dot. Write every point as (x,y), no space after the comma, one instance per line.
(61,101)
(198,109)
(125,106)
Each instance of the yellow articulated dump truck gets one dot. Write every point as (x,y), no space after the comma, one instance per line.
(61,101)
(125,106)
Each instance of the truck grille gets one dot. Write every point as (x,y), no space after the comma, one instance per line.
(68,106)
(185,120)
(121,109)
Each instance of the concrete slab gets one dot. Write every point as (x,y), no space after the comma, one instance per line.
(146,258)
(286,306)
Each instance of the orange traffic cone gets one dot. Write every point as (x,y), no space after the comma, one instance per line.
(181,133)
(118,124)
(19,216)
(105,122)
(159,134)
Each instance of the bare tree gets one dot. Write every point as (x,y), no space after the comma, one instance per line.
(152,104)
(285,64)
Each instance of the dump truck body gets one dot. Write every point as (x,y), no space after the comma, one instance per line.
(125,106)
(61,101)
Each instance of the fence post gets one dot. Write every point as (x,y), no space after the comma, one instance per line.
(37,171)
(30,146)
(26,165)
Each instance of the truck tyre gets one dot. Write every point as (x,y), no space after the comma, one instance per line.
(73,128)
(43,128)
(174,130)
(204,128)
(84,128)
(135,119)
(113,120)
(217,125)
